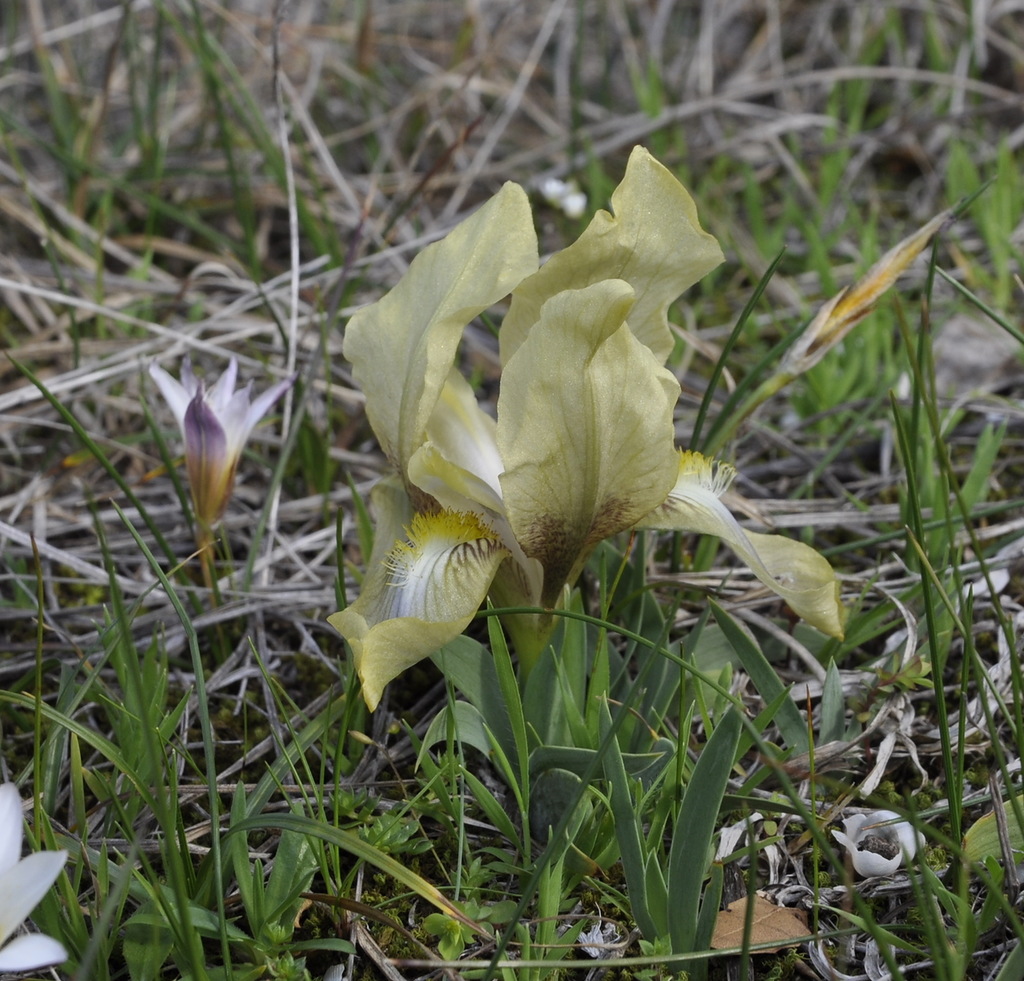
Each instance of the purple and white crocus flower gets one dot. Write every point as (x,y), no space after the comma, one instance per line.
(215,423)
(23,882)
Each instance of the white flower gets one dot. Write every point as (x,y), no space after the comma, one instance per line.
(215,424)
(596,942)
(23,882)
(565,195)
(877,842)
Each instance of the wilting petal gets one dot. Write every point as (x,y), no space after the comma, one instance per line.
(585,430)
(839,315)
(796,572)
(654,242)
(423,595)
(878,842)
(403,347)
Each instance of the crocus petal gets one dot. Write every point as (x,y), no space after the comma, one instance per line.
(31,951)
(215,423)
(211,469)
(403,347)
(654,242)
(585,430)
(22,887)
(878,842)
(796,572)
(223,388)
(421,597)
(174,392)
(10,827)
(188,377)
(262,404)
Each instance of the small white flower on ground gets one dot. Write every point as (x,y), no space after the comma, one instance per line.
(23,882)
(565,195)
(877,842)
(596,941)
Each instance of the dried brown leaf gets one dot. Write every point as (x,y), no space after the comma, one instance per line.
(772,924)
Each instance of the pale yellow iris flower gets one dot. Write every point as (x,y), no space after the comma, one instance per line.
(583,444)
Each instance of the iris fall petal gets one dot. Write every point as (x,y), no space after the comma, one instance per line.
(794,571)
(421,596)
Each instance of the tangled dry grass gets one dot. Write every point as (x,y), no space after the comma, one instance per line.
(233,179)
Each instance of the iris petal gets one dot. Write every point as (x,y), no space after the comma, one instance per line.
(794,571)
(402,348)
(422,595)
(585,430)
(653,241)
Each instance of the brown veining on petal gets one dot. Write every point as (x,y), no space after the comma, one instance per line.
(563,549)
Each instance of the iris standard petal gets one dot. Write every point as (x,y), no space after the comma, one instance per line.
(585,430)
(421,596)
(794,571)
(653,241)
(403,347)
(460,464)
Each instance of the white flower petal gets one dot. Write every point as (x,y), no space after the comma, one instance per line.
(10,827)
(31,951)
(222,390)
(174,392)
(877,842)
(22,887)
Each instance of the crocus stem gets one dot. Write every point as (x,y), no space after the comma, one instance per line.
(206,543)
